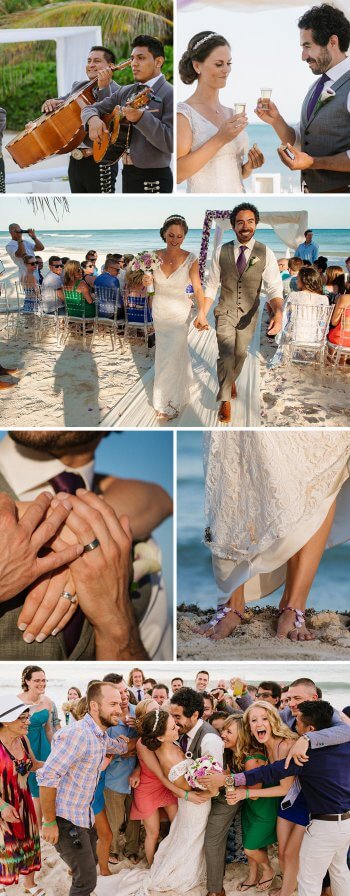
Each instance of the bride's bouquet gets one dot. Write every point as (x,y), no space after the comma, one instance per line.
(145,263)
(198,768)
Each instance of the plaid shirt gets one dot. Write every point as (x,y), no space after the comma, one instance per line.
(73,768)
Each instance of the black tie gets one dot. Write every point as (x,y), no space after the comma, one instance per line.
(139,695)
(183,741)
(70,482)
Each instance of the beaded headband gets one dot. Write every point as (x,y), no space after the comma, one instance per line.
(173,218)
(204,39)
(156,721)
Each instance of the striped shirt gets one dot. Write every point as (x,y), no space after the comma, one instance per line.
(73,768)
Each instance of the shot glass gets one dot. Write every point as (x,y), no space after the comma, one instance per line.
(265,94)
(229,784)
(239,108)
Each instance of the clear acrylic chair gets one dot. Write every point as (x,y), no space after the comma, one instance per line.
(305,334)
(28,308)
(339,353)
(107,308)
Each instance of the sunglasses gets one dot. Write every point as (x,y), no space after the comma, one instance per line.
(57,265)
(32,263)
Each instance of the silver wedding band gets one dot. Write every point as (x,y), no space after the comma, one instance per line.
(92,545)
(71,597)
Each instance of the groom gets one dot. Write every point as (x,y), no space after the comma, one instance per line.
(200,739)
(240,269)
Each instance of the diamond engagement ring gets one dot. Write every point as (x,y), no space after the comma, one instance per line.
(71,597)
(92,545)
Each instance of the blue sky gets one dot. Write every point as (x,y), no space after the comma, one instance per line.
(147,456)
(146,212)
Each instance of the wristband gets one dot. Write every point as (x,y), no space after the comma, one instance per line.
(49,824)
(186,795)
(247,793)
(4,806)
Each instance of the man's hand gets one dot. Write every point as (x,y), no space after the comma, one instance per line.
(132,115)
(10,815)
(96,128)
(301,161)
(134,778)
(267,112)
(51,105)
(275,324)
(298,752)
(50,834)
(45,612)
(104,78)
(22,540)
(102,576)
(31,233)
(201,323)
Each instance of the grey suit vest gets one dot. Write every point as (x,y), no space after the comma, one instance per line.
(239,294)
(327,133)
(12,646)
(195,746)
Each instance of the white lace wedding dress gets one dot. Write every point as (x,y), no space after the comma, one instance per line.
(267,493)
(223,174)
(179,863)
(171,310)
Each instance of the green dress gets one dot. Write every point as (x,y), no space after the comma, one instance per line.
(259,818)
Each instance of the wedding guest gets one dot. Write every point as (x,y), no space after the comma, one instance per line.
(92,256)
(217,720)
(325,782)
(270,691)
(307,251)
(29,282)
(117,789)
(160,693)
(320,266)
(73,281)
(40,730)
(176,684)
(339,333)
(109,279)
(209,705)
(284,701)
(89,276)
(347,264)
(52,285)
(309,292)
(40,265)
(135,684)
(294,265)
(148,685)
(335,283)
(68,780)
(212,153)
(2,166)
(19,832)
(22,243)
(319,146)
(152,790)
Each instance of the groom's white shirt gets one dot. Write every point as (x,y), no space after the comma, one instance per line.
(211,744)
(334,73)
(271,277)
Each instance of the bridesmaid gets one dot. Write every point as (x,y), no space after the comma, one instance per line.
(40,725)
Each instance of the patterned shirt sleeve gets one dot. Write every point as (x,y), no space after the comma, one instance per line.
(68,745)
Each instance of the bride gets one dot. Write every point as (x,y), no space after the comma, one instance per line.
(174,281)
(179,863)
(274,502)
(212,142)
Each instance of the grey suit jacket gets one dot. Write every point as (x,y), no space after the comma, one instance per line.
(151,142)
(99,94)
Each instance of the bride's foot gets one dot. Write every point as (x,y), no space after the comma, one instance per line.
(291,624)
(224,623)
(163,416)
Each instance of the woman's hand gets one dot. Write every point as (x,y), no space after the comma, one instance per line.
(255,160)
(45,612)
(10,815)
(232,127)
(236,795)
(147,280)
(197,798)
(214,780)
(201,323)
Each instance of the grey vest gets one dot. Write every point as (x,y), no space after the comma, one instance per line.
(12,646)
(239,294)
(195,746)
(327,133)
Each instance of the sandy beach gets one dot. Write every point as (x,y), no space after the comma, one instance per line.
(256,637)
(63,385)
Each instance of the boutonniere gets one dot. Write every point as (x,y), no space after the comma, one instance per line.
(253,260)
(326,95)
(146,561)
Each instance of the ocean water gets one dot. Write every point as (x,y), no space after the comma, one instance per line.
(267,141)
(335,244)
(195,581)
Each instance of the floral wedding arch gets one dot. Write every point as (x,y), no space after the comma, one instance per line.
(290,227)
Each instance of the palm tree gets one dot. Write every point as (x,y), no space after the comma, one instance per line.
(57,206)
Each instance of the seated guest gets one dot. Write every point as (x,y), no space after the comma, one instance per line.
(294,265)
(339,333)
(29,282)
(88,268)
(283,268)
(109,280)
(52,283)
(2,167)
(309,293)
(73,280)
(347,264)
(40,264)
(91,255)
(335,283)
(321,265)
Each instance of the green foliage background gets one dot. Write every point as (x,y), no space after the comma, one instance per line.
(28,71)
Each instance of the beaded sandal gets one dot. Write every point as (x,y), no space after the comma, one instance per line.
(220,614)
(299,620)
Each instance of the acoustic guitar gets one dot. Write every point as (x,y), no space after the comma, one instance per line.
(116,140)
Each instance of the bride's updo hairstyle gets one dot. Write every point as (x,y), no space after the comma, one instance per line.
(178,220)
(199,48)
(154,726)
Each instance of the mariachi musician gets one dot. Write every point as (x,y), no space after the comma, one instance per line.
(2,167)
(85,176)
(146,164)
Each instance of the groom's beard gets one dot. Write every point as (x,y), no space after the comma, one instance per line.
(321,63)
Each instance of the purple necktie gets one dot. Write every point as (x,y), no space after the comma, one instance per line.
(241,260)
(70,482)
(316,95)
(139,695)
(183,741)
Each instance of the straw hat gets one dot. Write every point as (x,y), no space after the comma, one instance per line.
(11,708)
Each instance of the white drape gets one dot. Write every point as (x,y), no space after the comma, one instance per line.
(289,226)
(255,5)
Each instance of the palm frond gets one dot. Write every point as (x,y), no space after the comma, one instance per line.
(126,20)
(57,206)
